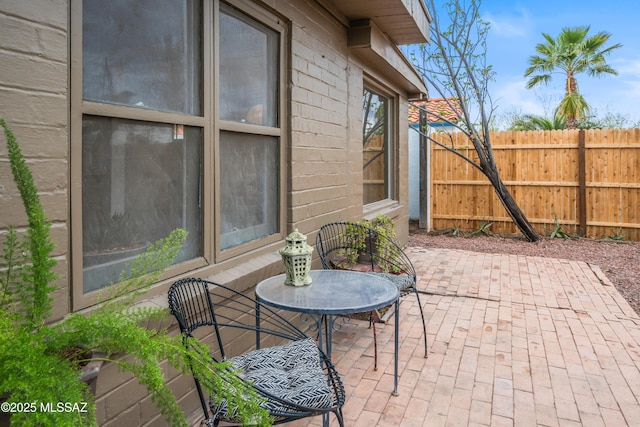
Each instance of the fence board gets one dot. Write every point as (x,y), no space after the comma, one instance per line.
(542,171)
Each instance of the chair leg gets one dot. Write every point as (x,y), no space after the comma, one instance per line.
(339,416)
(375,343)
(424,324)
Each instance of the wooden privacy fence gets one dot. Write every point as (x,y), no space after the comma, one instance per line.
(588,180)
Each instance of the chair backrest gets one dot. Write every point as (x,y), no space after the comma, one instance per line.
(190,303)
(342,243)
(198,303)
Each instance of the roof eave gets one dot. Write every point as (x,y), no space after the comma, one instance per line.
(368,41)
(403,21)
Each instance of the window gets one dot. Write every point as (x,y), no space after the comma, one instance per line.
(139,181)
(248,187)
(248,70)
(376,146)
(144,54)
(177,125)
(248,161)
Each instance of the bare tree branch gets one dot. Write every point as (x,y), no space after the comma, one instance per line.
(455,67)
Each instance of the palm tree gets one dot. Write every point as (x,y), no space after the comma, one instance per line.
(532,122)
(571,53)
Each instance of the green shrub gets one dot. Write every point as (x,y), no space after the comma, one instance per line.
(40,363)
(358,238)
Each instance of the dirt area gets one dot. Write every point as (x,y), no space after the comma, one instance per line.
(619,260)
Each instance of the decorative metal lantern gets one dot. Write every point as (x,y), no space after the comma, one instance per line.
(296,256)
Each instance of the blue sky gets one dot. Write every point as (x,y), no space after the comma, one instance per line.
(517,26)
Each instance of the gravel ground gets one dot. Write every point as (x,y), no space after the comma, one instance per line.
(619,260)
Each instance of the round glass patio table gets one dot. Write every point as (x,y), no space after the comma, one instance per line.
(333,293)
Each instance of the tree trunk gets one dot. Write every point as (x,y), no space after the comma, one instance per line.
(572,87)
(510,205)
(571,123)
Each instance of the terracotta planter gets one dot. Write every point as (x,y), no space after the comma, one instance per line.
(91,370)
(364,256)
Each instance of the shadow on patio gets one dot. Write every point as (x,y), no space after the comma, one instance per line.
(513,340)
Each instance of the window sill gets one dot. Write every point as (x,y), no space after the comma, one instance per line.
(241,277)
(387,207)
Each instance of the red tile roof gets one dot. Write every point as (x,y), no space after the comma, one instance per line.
(438,106)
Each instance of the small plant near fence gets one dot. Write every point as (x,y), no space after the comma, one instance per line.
(484,229)
(557,230)
(617,236)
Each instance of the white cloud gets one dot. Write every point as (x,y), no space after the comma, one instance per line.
(622,93)
(632,87)
(512,95)
(626,66)
(629,70)
(509,26)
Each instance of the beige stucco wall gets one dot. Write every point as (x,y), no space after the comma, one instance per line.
(325,153)
(34,102)
(326,124)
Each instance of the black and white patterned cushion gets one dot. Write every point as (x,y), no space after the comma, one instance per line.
(402,281)
(291,372)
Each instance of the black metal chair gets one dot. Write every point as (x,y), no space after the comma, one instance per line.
(351,245)
(286,368)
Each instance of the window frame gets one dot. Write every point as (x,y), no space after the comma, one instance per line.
(392,176)
(274,22)
(211,126)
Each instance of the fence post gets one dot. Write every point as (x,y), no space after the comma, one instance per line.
(582,185)
(425,173)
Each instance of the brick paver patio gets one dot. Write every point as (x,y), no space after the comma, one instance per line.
(513,340)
